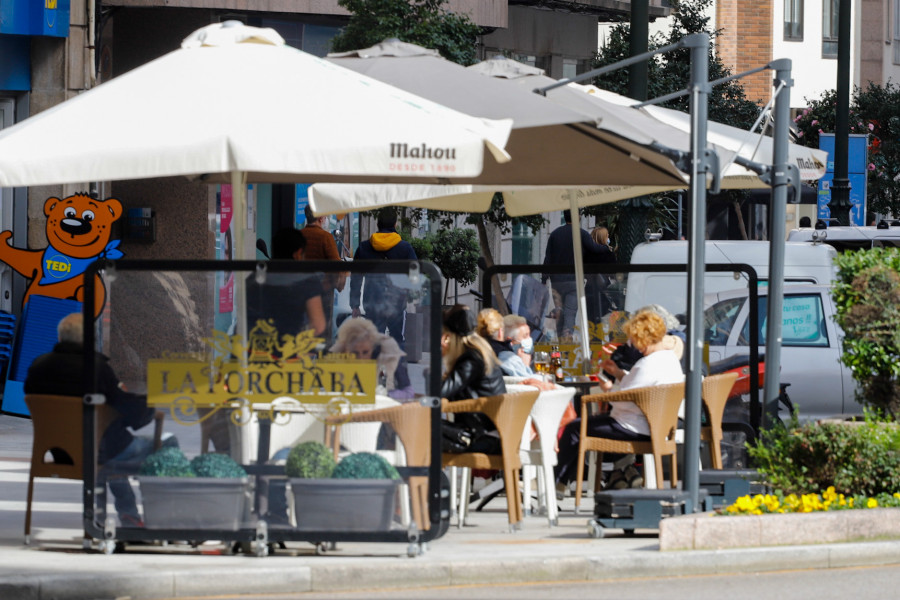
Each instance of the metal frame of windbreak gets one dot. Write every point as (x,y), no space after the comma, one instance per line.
(107,531)
(759,415)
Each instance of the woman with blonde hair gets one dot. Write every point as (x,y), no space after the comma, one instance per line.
(358,336)
(646,332)
(471,370)
(490,327)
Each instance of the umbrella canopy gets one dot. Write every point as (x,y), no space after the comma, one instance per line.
(236,99)
(550,144)
(727,140)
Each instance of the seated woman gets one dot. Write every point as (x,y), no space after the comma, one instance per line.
(625,421)
(490,327)
(360,337)
(471,370)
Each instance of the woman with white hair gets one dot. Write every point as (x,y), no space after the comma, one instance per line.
(358,336)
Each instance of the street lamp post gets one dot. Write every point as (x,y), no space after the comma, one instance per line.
(840,185)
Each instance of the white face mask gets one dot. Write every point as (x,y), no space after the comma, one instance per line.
(527,345)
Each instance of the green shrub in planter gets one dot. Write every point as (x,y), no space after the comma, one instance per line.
(365,465)
(167,462)
(310,460)
(220,466)
(855,458)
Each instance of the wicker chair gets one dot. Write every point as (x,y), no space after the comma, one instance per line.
(660,406)
(412,423)
(58,425)
(509,413)
(716,389)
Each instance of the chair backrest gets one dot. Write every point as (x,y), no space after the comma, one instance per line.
(508,412)
(716,389)
(58,426)
(659,403)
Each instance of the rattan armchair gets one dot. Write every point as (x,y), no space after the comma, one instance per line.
(716,389)
(509,413)
(660,406)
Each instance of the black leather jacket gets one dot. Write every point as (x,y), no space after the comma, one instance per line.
(467,380)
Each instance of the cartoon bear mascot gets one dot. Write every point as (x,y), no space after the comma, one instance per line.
(78,231)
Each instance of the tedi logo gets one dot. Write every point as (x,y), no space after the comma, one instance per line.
(57,266)
(423,151)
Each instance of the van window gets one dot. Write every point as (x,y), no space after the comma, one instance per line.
(718,320)
(803,322)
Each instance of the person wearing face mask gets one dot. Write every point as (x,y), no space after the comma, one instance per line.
(516,362)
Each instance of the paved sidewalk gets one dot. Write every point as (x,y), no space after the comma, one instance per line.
(55,566)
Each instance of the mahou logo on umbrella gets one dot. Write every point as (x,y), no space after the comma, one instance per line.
(423,151)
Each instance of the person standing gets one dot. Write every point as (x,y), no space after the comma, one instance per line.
(320,245)
(560,252)
(597,302)
(384,303)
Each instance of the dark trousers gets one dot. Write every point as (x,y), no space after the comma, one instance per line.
(597,426)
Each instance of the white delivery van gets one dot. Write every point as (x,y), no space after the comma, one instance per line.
(803,263)
(849,238)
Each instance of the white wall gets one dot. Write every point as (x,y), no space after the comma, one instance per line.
(812,74)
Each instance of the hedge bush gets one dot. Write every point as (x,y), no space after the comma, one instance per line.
(867,301)
(856,458)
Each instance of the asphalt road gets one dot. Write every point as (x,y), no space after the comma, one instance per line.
(823,584)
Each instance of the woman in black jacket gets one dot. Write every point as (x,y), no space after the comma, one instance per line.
(471,370)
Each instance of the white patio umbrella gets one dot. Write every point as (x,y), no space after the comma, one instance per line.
(237,99)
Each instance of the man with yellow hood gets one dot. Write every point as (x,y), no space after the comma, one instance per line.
(384,303)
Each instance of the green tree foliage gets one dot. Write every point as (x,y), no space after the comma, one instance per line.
(671,73)
(455,252)
(875,112)
(422,22)
(867,298)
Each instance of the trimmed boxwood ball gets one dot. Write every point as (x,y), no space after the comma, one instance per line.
(217,465)
(167,462)
(365,465)
(310,460)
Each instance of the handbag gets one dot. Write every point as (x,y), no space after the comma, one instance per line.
(455,439)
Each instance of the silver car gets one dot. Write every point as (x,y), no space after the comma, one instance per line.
(820,385)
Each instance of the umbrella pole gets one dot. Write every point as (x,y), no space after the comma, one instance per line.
(239,210)
(700,166)
(579,282)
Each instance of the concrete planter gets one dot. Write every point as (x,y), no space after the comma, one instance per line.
(708,532)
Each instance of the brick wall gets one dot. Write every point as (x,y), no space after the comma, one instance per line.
(746,42)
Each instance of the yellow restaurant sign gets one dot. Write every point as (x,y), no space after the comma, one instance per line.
(266,369)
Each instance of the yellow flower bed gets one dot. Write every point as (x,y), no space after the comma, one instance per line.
(829,500)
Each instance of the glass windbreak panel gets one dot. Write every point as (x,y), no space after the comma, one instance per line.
(803,322)
(241,386)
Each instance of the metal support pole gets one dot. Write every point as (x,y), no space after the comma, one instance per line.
(782,177)
(840,185)
(638,43)
(579,283)
(699,86)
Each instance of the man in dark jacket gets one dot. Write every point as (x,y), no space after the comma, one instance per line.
(384,302)
(560,252)
(60,372)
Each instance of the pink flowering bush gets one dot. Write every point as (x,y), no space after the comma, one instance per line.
(875,112)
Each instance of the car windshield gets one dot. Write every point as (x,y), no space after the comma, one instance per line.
(718,320)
